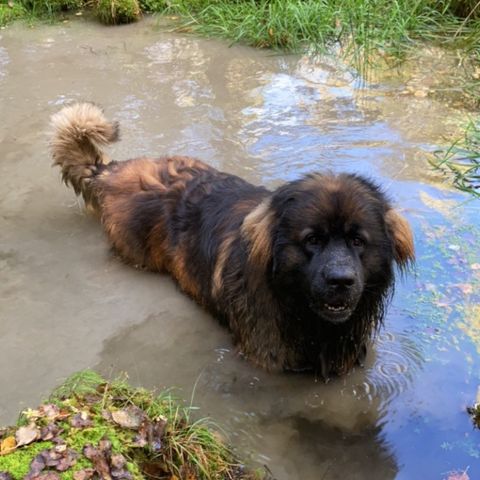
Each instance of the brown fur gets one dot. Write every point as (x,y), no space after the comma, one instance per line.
(245,253)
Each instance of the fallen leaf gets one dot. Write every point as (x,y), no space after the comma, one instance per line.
(67,461)
(118,469)
(37,465)
(81,420)
(5,476)
(84,474)
(151,433)
(50,431)
(99,461)
(118,461)
(10,4)
(7,445)
(130,417)
(27,435)
(44,476)
(49,410)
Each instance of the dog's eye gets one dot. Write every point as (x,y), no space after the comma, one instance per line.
(358,242)
(312,239)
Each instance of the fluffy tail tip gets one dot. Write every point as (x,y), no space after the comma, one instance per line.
(83,121)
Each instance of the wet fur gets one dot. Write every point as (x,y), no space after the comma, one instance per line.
(235,247)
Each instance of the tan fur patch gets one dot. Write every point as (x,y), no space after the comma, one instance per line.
(257,228)
(178,268)
(402,235)
(222,257)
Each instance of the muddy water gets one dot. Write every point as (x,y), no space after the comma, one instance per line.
(66,303)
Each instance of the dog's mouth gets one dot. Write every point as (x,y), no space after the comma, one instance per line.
(336,308)
(338,311)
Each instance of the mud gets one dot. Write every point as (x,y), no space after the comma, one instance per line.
(66,303)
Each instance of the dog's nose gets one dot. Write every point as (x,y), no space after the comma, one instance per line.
(343,277)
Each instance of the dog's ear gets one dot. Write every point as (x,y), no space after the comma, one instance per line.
(402,237)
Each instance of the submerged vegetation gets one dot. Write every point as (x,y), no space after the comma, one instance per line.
(91,428)
(461,161)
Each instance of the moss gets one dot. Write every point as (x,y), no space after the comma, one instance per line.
(114,12)
(161,441)
(82,383)
(17,463)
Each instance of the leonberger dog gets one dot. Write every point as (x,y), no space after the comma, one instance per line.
(300,275)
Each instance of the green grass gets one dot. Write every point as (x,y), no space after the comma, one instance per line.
(190,447)
(460,162)
(294,25)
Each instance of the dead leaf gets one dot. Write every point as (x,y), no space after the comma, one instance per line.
(5,476)
(130,417)
(118,461)
(27,435)
(50,431)
(84,474)
(99,461)
(44,476)
(81,420)
(7,445)
(37,465)
(10,4)
(151,433)
(49,410)
(118,469)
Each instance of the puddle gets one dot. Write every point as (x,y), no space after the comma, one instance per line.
(67,304)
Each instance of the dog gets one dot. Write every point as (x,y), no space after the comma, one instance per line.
(301,275)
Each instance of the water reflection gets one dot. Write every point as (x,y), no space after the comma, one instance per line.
(267,118)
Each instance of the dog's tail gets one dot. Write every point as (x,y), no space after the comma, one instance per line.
(79,133)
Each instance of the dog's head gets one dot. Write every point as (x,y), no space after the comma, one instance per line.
(333,242)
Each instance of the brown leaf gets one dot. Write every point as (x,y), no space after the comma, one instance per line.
(49,410)
(7,445)
(50,431)
(118,469)
(27,435)
(99,461)
(5,476)
(118,461)
(37,465)
(84,474)
(151,433)
(44,476)
(67,461)
(51,457)
(107,415)
(130,417)
(81,420)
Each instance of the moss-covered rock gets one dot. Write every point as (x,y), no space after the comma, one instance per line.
(91,428)
(114,12)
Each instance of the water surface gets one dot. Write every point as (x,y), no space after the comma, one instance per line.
(67,304)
